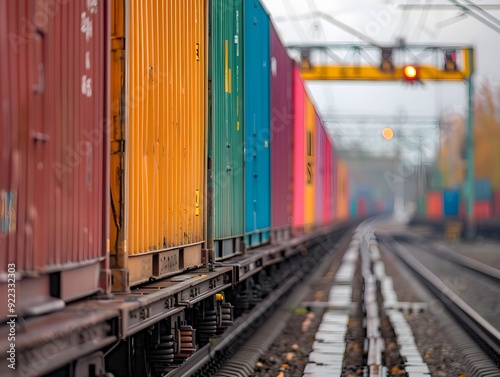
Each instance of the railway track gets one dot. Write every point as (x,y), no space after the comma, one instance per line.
(237,350)
(469,304)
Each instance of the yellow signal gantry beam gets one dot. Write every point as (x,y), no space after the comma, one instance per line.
(371,73)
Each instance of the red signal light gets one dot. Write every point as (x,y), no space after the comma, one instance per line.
(410,72)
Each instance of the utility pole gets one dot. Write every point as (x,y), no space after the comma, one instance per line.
(470,230)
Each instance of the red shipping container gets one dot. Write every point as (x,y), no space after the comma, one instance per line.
(53,132)
(496,206)
(362,207)
(482,209)
(434,205)
(282,116)
(334,184)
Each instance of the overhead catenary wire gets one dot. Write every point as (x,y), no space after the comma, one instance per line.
(468,11)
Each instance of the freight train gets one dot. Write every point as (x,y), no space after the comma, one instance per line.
(142,144)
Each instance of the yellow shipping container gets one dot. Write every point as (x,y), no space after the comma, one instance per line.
(159,77)
(342,191)
(310,118)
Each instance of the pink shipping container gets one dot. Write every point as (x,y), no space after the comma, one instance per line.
(496,204)
(319,186)
(282,117)
(53,135)
(299,161)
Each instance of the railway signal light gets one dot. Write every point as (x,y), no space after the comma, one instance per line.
(410,73)
(450,60)
(388,133)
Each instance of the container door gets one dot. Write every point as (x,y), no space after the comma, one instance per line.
(226,125)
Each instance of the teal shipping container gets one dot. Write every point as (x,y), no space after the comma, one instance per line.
(226,132)
(257,121)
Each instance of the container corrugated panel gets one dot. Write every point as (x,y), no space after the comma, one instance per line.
(282,115)
(310,165)
(226,153)
(257,124)
(327,191)
(299,157)
(319,183)
(451,202)
(160,210)
(53,141)
(434,205)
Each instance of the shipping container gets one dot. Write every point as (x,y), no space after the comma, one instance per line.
(327,210)
(299,157)
(226,131)
(310,165)
(158,138)
(342,190)
(434,205)
(53,135)
(483,189)
(319,180)
(282,118)
(451,202)
(257,124)
(496,204)
(353,208)
(482,210)
(362,207)
(335,184)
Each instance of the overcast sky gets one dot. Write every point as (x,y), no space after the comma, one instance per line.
(386,22)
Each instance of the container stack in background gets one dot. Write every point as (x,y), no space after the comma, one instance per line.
(453,165)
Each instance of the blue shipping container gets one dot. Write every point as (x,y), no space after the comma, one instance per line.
(451,202)
(257,121)
(483,189)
